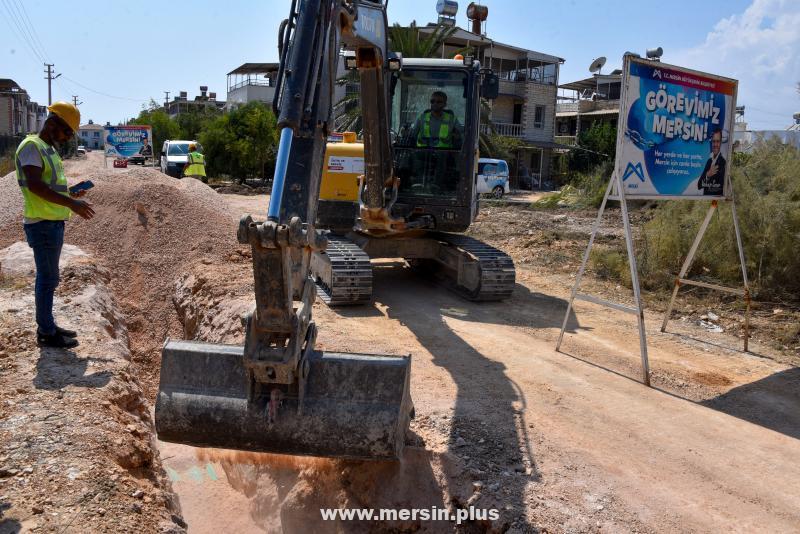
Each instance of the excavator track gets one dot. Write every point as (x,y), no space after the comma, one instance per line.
(342,273)
(497,275)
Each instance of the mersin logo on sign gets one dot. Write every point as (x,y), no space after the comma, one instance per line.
(633,169)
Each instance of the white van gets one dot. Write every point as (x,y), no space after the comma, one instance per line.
(492,177)
(174,155)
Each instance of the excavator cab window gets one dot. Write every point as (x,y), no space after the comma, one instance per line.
(429,111)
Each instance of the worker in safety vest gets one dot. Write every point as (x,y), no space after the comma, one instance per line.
(48,203)
(438,127)
(195,164)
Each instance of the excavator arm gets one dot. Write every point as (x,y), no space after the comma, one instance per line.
(278,393)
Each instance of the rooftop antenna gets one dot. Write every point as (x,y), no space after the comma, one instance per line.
(597,65)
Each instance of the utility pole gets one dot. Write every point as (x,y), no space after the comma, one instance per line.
(50,79)
(76,104)
(166,100)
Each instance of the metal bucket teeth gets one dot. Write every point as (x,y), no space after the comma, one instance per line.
(354,406)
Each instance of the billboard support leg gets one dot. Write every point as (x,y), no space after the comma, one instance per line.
(687,263)
(583,263)
(744,272)
(638,310)
(682,280)
(635,283)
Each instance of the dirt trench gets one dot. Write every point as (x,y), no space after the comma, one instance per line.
(77,447)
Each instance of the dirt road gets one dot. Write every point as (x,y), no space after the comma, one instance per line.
(571,441)
(559,442)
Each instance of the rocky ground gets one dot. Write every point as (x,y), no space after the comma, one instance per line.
(76,438)
(556,442)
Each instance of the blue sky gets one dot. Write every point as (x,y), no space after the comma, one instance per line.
(117,56)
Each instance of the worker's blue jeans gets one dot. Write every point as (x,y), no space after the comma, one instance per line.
(46,239)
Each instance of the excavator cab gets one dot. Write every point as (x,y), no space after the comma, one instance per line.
(434,117)
(434,151)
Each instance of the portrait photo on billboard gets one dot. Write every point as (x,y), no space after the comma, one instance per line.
(675,132)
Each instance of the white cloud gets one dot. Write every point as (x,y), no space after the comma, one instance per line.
(761,48)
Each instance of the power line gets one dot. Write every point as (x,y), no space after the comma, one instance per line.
(105,94)
(20,33)
(26,28)
(33,29)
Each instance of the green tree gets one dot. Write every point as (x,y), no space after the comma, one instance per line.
(410,42)
(241,144)
(595,145)
(192,123)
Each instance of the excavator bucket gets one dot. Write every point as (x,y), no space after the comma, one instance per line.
(352,405)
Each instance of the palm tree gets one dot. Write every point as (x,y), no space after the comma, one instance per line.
(409,42)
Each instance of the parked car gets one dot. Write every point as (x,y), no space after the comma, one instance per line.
(492,177)
(81,150)
(174,155)
(136,159)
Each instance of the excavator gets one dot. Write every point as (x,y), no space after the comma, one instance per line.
(278,393)
(414,196)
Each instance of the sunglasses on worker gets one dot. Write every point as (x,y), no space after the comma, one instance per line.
(65,128)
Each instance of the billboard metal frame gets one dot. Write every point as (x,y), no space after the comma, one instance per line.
(622,125)
(130,126)
(616,191)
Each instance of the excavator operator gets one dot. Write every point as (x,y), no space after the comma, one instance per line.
(438,126)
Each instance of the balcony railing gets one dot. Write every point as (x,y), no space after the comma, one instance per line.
(569,140)
(506,129)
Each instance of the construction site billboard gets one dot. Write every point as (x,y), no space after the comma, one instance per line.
(127,141)
(675,131)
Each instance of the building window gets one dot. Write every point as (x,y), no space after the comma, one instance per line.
(97,134)
(538,118)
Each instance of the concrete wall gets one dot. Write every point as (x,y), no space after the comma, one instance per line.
(503,109)
(539,95)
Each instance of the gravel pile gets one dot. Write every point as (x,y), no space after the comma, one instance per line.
(148,230)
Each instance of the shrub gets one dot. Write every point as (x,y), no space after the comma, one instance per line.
(767,189)
(583,190)
(611,264)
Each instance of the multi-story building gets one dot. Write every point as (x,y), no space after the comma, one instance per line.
(90,135)
(251,82)
(585,102)
(18,115)
(255,82)
(526,106)
(182,104)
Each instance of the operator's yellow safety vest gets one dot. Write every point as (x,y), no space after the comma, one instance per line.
(197,165)
(442,137)
(52,176)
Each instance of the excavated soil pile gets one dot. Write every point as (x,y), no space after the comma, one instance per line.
(148,229)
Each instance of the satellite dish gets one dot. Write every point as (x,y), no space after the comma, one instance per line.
(597,64)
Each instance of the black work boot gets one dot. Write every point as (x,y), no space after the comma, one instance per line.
(65,332)
(56,341)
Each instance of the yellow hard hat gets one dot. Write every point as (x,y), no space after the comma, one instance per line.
(68,113)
